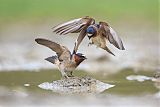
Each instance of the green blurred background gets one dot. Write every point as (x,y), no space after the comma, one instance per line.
(112,10)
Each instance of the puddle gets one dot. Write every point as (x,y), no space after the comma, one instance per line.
(139,78)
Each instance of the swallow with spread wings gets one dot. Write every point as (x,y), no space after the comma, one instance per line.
(99,34)
(65,61)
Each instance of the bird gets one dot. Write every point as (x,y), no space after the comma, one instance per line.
(99,34)
(65,61)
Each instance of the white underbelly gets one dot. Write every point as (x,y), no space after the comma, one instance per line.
(96,41)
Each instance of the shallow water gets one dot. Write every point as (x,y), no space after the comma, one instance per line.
(19,88)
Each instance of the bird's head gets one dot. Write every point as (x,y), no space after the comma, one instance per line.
(78,58)
(91,31)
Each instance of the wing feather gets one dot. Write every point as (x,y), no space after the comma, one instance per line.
(75,26)
(79,40)
(66,23)
(73,29)
(65,27)
(111,35)
(52,45)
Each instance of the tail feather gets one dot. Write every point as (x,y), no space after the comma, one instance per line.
(52,59)
(106,48)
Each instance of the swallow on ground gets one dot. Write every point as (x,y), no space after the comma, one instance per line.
(99,33)
(65,61)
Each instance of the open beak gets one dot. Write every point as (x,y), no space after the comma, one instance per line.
(84,57)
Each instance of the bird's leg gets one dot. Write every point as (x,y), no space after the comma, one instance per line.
(90,43)
(71,74)
(64,75)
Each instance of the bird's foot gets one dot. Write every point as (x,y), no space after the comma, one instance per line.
(70,75)
(65,77)
(90,43)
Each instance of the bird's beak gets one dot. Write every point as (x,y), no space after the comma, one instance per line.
(84,57)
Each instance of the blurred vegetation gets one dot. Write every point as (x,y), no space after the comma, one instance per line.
(32,10)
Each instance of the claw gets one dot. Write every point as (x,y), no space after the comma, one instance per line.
(90,43)
(65,77)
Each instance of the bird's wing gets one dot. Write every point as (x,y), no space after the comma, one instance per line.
(52,45)
(73,26)
(79,39)
(111,35)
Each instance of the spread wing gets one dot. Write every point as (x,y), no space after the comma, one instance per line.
(75,26)
(52,45)
(111,35)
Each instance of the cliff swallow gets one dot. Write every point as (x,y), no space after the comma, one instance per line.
(65,61)
(99,33)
